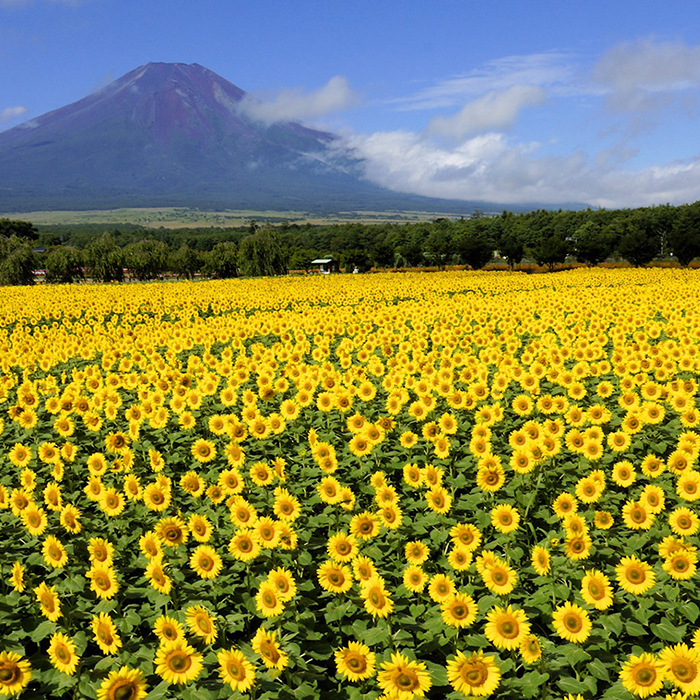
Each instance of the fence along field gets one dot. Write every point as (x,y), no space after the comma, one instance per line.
(444,486)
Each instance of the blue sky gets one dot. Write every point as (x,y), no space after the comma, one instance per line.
(551,101)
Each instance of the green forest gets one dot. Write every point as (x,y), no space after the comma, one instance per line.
(543,238)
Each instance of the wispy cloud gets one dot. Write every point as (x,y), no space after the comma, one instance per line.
(495,110)
(642,75)
(292,105)
(545,70)
(491,168)
(11,113)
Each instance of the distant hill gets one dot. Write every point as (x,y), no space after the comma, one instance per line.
(170,134)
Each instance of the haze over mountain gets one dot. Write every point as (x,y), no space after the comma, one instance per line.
(171,134)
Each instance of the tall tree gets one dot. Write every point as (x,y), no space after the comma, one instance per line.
(147,259)
(21,229)
(17,261)
(63,265)
(550,251)
(261,254)
(185,261)
(592,243)
(222,260)
(640,242)
(684,237)
(104,259)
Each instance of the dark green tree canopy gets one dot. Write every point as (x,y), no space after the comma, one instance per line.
(261,254)
(21,229)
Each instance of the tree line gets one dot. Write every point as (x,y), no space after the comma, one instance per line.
(547,238)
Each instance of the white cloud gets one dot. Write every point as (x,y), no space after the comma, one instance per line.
(540,70)
(293,105)
(490,168)
(495,110)
(11,113)
(640,75)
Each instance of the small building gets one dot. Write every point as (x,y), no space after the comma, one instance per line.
(325,265)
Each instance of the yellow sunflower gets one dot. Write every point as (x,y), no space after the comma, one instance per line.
(126,683)
(476,675)
(499,577)
(414,578)
(342,547)
(540,560)
(206,562)
(17,577)
(688,485)
(596,590)
(15,673)
(103,581)
(177,662)
(376,598)
(365,525)
(105,633)
(268,601)
(172,531)
(441,587)
(200,527)
(681,565)
(155,573)
(203,450)
(506,627)
(201,623)
(403,679)
(62,654)
(637,516)
(682,666)
(466,535)
(283,582)
(168,629)
(236,670)
(101,551)
(439,500)
(643,675)
(265,644)
(530,649)
(34,520)
(49,601)
(684,521)
(363,568)
(635,576)
(571,623)
(458,610)
(505,518)
(355,662)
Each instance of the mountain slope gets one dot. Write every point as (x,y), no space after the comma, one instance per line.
(169,134)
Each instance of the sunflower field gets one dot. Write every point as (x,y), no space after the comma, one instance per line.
(400,486)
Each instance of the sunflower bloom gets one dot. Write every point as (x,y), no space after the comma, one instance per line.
(635,576)
(506,628)
(62,654)
(404,679)
(476,674)
(236,670)
(643,675)
(15,673)
(177,662)
(571,623)
(355,661)
(124,683)
(682,665)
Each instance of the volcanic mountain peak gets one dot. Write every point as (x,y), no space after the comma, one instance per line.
(173,134)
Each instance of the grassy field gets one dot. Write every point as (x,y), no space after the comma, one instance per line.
(183,217)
